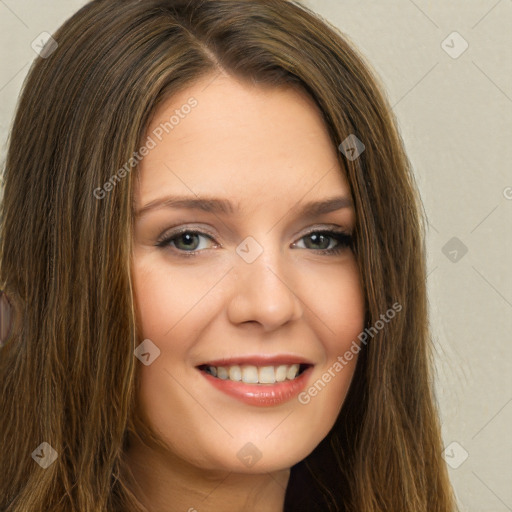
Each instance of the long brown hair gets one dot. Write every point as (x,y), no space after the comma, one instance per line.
(68,372)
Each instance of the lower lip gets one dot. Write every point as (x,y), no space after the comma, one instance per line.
(262,395)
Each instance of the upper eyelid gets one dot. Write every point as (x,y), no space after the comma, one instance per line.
(202,230)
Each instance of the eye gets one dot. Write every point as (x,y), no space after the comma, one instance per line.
(324,238)
(185,240)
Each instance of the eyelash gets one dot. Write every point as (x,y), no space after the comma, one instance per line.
(344,241)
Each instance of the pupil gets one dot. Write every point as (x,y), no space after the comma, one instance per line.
(315,238)
(188,238)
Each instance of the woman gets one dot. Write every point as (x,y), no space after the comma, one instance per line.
(255,371)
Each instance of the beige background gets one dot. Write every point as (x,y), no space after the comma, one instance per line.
(455,116)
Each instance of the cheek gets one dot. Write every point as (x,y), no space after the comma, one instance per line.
(162,297)
(338,309)
(148,289)
(339,302)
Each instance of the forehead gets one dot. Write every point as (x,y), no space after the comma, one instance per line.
(258,144)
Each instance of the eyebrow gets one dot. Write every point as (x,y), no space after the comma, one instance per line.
(223,206)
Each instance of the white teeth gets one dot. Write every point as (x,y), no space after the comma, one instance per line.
(266,375)
(292,371)
(235,373)
(251,374)
(222,373)
(281,372)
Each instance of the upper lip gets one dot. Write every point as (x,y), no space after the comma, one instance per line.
(258,360)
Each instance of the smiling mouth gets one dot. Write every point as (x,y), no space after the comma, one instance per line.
(251,374)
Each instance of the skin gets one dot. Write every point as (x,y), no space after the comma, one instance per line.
(267,150)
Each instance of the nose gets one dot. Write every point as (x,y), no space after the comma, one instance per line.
(264,292)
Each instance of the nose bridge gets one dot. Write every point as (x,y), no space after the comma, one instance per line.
(263,285)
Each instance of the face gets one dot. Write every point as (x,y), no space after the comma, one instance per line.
(248,285)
